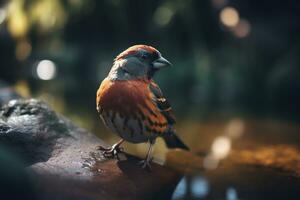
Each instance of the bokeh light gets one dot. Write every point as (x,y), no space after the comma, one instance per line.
(163,15)
(242,29)
(210,162)
(235,128)
(46,70)
(23,50)
(48,14)
(231,194)
(18,23)
(235,64)
(221,147)
(22,88)
(2,15)
(180,190)
(199,187)
(229,16)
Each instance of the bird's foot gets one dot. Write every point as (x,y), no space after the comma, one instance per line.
(146,163)
(112,152)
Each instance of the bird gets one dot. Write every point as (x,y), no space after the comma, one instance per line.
(133,106)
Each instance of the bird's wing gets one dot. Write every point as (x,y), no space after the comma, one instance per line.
(162,103)
(170,137)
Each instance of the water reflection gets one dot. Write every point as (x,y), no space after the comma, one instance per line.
(222,145)
(191,188)
(199,187)
(231,194)
(181,190)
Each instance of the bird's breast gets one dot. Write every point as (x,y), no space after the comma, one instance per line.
(122,96)
(126,107)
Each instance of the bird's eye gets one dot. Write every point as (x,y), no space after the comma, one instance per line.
(144,56)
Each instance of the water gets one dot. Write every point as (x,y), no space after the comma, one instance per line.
(263,162)
(233,159)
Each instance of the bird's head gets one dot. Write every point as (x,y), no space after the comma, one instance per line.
(138,61)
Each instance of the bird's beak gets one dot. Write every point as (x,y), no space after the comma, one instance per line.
(161,62)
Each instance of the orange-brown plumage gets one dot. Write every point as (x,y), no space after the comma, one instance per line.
(133,99)
(121,96)
(132,105)
(134,49)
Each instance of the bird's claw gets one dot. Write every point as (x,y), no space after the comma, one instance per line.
(146,163)
(111,152)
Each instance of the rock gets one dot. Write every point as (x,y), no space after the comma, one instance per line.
(32,129)
(64,163)
(15,182)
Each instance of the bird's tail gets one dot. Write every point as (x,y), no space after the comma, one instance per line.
(173,141)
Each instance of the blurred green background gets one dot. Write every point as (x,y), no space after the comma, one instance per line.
(235,65)
(232,60)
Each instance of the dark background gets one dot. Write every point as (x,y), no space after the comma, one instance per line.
(235,73)
(215,71)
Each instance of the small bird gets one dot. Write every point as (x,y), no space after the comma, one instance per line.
(132,105)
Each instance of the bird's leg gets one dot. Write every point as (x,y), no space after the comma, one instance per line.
(146,163)
(113,151)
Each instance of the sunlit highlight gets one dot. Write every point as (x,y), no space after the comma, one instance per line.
(17,19)
(46,70)
(221,147)
(2,15)
(18,25)
(229,16)
(219,150)
(22,88)
(48,14)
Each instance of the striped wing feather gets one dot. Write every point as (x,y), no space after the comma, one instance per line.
(162,103)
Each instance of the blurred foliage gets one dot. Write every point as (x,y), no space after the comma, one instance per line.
(230,57)
(232,60)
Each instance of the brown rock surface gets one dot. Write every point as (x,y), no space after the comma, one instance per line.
(62,160)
